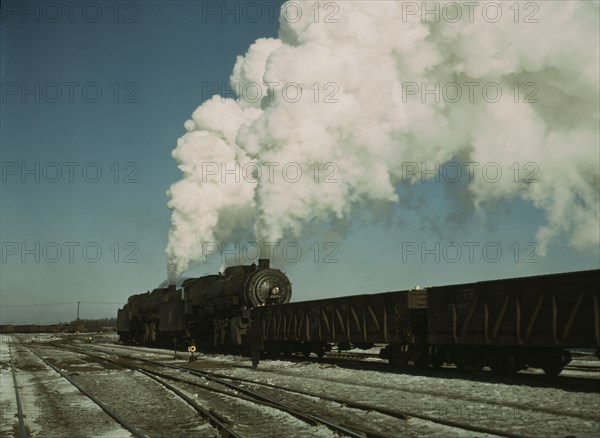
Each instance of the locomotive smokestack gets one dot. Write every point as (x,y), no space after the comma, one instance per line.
(263,263)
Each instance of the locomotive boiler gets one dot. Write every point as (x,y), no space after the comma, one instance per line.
(219,306)
(238,288)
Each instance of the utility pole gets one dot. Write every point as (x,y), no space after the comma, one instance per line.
(78,311)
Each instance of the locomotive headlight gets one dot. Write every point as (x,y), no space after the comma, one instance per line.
(275,291)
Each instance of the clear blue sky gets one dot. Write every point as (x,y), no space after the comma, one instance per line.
(150,67)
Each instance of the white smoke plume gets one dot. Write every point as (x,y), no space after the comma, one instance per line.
(375,126)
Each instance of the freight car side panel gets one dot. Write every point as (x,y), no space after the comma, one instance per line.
(379,318)
(559,310)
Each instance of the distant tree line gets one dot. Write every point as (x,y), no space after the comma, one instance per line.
(96,325)
(81,325)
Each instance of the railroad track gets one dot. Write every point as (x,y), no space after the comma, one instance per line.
(345,355)
(474,399)
(21,417)
(124,423)
(234,391)
(590,382)
(241,385)
(585,368)
(352,361)
(524,410)
(356,360)
(351,355)
(214,419)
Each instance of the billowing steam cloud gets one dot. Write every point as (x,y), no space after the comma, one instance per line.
(366,106)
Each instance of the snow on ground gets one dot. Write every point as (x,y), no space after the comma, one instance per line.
(54,407)
(8,404)
(149,406)
(484,403)
(538,411)
(503,405)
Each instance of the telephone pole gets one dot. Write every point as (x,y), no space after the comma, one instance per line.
(78,311)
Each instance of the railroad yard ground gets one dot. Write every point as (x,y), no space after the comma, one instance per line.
(282,398)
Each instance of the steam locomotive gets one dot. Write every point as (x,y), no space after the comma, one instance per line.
(212,311)
(507,324)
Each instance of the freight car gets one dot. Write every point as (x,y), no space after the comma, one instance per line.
(395,318)
(507,324)
(213,311)
(515,323)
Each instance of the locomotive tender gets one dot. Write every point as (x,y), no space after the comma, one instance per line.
(507,325)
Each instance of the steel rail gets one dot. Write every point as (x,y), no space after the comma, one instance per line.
(110,412)
(390,412)
(22,429)
(396,413)
(213,419)
(306,417)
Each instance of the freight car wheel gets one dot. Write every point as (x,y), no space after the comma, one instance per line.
(554,364)
(470,361)
(437,361)
(421,359)
(553,370)
(398,361)
(396,354)
(437,357)
(504,365)
(469,367)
